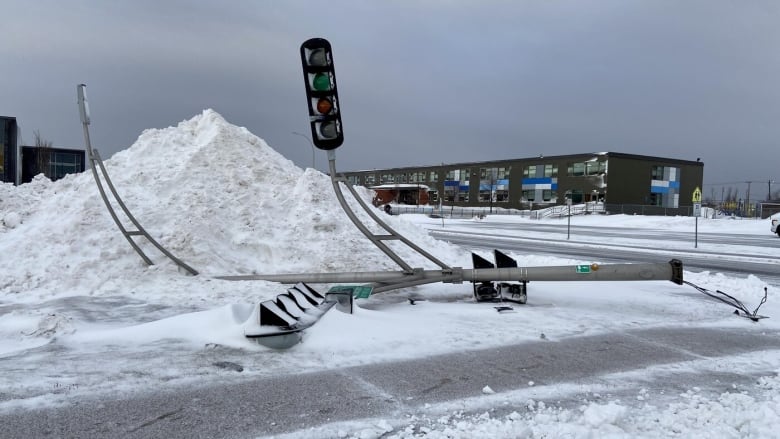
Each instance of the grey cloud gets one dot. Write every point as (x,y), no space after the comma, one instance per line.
(420,82)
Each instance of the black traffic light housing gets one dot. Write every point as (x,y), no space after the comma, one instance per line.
(322,93)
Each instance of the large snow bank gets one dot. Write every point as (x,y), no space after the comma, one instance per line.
(212,193)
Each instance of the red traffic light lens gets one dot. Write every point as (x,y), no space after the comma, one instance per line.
(318,57)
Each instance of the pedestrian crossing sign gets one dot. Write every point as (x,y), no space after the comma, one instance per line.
(696,195)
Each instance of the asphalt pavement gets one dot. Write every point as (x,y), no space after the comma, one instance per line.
(273,405)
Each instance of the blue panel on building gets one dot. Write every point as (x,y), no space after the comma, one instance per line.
(542,180)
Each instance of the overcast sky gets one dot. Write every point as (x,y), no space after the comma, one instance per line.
(420,82)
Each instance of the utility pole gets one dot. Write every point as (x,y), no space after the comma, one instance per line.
(747,198)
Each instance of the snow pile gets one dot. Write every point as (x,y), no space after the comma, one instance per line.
(731,414)
(735,413)
(212,193)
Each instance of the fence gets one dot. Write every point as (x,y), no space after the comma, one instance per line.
(470,212)
(560,211)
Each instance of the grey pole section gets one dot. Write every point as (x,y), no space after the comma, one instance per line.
(671,271)
(85,121)
(375,239)
(95,162)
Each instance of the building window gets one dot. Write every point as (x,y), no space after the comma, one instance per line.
(463,194)
(3,142)
(494,185)
(433,177)
(587,168)
(577,169)
(456,185)
(657,173)
(665,186)
(370,179)
(596,168)
(529,171)
(550,170)
(575,195)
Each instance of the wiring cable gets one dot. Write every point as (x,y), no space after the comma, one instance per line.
(733,301)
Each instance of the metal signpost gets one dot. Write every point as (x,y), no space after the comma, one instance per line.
(696,213)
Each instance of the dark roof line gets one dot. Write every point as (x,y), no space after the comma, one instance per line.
(539,158)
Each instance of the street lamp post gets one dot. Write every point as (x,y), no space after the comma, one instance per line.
(310,143)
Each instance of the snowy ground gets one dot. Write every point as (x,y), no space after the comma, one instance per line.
(81,315)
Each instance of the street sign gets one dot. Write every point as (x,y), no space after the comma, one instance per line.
(697,209)
(696,195)
(358,291)
(582,268)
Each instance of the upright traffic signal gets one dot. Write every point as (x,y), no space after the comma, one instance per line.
(322,93)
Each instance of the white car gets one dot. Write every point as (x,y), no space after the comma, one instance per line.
(776,226)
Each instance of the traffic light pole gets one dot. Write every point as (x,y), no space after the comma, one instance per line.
(95,163)
(390,280)
(377,240)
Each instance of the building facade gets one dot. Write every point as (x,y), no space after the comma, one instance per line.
(54,163)
(539,182)
(20,164)
(8,150)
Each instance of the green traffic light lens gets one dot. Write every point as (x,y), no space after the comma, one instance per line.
(321,82)
(328,130)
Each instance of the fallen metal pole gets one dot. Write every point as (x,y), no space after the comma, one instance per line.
(671,271)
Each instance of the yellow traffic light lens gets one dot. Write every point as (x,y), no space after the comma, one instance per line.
(324,106)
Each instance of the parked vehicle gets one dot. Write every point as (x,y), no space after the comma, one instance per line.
(776,226)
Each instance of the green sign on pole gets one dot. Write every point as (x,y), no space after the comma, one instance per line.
(582,268)
(358,291)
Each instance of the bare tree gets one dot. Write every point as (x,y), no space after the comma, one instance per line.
(43,148)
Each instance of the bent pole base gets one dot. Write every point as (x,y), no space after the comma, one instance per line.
(377,240)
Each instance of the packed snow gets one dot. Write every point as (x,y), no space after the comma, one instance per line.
(82,315)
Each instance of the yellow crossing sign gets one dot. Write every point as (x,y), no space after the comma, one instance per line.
(697,195)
